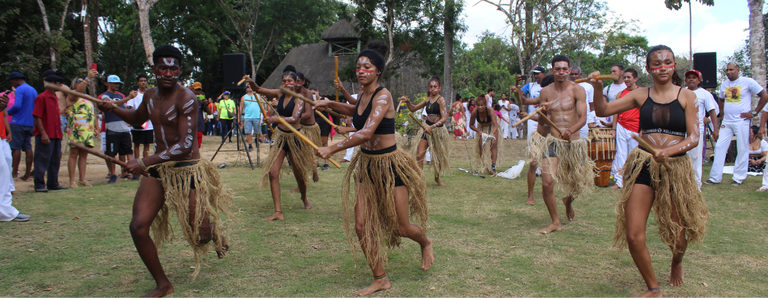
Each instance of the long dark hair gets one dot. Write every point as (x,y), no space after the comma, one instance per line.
(675,77)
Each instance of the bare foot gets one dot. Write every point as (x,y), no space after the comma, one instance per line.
(377,285)
(295,190)
(553,227)
(306,204)
(439,182)
(315,177)
(25,178)
(569,207)
(277,216)
(676,277)
(160,291)
(656,293)
(427,258)
(529,201)
(224,248)
(615,187)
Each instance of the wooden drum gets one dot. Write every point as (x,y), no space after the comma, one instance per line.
(602,149)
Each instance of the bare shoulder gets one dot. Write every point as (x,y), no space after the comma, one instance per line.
(686,97)
(183,95)
(150,92)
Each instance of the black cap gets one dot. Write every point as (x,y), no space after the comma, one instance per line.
(54,79)
(538,69)
(16,75)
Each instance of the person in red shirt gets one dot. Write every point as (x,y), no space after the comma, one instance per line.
(625,125)
(47,138)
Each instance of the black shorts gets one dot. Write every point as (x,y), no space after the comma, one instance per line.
(143,137)
(118,143)
(398,181)
(155,174)
(550,151)
(644,177)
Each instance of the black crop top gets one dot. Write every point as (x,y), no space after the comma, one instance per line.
(487,117)
(666,118)
(433,109)
(387,125)
(286,111)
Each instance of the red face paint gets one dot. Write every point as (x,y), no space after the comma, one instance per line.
(663,66)
(368,71)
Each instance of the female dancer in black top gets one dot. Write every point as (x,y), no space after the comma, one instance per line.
(285,143)
(487,129)
(663,182)
(437,141)
(388,182)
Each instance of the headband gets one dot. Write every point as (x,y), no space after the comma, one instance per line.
(376,58)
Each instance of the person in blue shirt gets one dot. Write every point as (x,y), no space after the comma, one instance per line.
(22,124)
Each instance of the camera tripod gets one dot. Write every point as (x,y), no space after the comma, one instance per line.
(239,137)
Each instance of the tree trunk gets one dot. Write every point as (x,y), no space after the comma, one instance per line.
(87,44)
(528,40)
(48,33)
(448,21)
(757,42)
(690,33)
(146,34)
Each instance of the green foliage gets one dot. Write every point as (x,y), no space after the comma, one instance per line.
(489,64)
(677,4)
(402,115)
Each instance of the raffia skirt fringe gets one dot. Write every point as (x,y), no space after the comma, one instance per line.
(301,154)
(535,145)
(575,170)
(438,148)
(212,200)
(673,188)
(374,179)
(312,132)
(483,152)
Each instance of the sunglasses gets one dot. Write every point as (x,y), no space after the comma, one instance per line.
(79,81)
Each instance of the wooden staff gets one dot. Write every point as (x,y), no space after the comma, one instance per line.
(423,127)
(304,138)
(241,82)
(599,78)
(329,122)
(101,155)
(549,121)
(312,103)
(72,92)
(526,118)
(648,148)
(336,59)
(264,112)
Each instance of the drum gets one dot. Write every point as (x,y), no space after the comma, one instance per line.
(602,149)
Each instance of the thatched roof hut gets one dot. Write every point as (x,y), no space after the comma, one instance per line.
(341,39)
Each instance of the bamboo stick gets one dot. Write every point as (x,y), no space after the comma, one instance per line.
(304,138)
(307,100)
(526,118)
(599,78)
(423,127)
(72,92)
(101,155)
(648,148)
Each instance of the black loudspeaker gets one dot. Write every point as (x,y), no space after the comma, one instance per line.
(706,63)
(234,70)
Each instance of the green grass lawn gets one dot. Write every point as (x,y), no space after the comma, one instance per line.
(486,244)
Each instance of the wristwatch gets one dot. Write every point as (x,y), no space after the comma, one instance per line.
(754,113)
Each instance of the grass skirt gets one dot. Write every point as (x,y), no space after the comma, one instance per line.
(301,153)
(438,148)
(536,144)
(676,186)
(376,174)
(212,199)
(483,152)
(575,170)
(312,132)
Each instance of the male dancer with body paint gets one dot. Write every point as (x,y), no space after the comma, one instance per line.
(177,177)
(557,153)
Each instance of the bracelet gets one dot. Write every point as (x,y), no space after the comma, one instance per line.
(87,79)
(142,165)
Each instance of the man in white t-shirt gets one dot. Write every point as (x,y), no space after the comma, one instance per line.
(590,93)
(613,90)
(144,134)
(737,94)
(532,90)
(514,116)
(707,107)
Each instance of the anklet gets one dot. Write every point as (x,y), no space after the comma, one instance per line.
(380,277)
(654,289)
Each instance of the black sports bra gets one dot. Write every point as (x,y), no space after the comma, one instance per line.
(487,117)
(668,118)
(286,111)
(433,109)
(387,125)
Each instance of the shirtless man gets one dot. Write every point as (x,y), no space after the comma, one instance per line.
(566,105)
(173,109)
